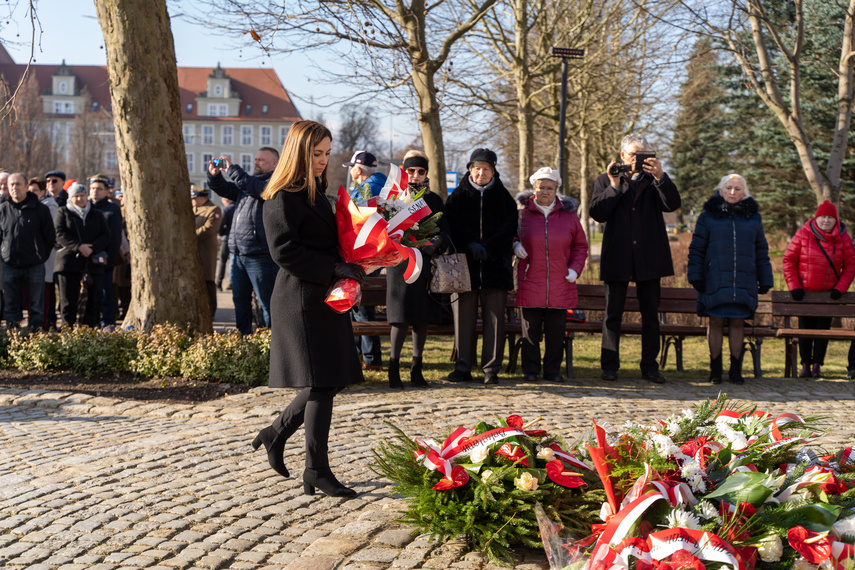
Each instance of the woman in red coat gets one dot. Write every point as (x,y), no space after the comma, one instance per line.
(821,257)
(552,250)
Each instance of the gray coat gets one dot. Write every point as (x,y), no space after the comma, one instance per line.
(310,343)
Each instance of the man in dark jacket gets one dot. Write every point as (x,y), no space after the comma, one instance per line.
(99,194)
(252,268)
(635,248)
(482,220)
(26,239)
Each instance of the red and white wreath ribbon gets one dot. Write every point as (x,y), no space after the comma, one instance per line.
(396,183)
(704,545)
(403,220)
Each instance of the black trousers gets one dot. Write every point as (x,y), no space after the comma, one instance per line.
(212,296)
(312,407)
(538,323)
(648,293)
(812,350)
(69,295)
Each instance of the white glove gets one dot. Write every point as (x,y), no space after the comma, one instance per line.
(519,250)
(571,276)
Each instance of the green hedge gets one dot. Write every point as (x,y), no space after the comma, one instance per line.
(165,351)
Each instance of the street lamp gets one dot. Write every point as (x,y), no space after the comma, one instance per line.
(564,54)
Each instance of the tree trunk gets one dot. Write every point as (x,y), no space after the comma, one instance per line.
(167,281)
(431,129)
(522,79)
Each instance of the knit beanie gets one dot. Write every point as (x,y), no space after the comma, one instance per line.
(827,209)
(76,188)
(482,155)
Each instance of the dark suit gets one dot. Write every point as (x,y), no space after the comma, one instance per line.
(635,248)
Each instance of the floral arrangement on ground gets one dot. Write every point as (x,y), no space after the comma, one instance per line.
(722,485)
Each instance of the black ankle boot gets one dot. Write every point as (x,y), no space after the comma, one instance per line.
(735,374)
(324,480)
(715,369)
(395,374)
(416,378)
(274,443)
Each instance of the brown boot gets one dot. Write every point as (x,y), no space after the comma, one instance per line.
(805,373)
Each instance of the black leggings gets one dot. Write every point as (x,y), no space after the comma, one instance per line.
(399,334)
(812,350)
(312,406)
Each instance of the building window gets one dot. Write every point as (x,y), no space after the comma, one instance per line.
(189,133)
(218,90)
(94,106)
(69,132)
(228,155)
(63,87)
(266,136)
(207,134)
(228,135)
(264,109)
(246,162)
(206,159)
(246,136)
(63,108)
(189,107)
(283,134)
(190,161)
(111,161)
(248,109)
(218,110)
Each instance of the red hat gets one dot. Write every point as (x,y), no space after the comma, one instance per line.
(68,183)
(827,209)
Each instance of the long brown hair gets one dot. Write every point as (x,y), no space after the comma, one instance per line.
(294,170)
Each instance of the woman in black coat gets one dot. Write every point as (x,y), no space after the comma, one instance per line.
(411,303)
(311,345)
(81,234)
(481,217)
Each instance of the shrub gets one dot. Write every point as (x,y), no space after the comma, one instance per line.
(228,357)
(158,353)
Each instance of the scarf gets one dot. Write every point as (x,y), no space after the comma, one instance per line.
(545,210)
(482,188)
(82,212)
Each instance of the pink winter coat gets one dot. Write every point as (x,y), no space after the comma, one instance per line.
(554,244)
(806,267)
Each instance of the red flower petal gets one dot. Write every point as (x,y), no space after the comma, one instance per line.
(459,477)
(815,551)
(514,421)
(554,471)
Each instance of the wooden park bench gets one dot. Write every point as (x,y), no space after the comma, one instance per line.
(815,304)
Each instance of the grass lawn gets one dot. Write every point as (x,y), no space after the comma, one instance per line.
(587,359)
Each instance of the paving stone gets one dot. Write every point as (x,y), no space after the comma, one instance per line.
(380,555)
(397,538)
(313,563)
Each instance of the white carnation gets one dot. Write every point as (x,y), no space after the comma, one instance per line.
(770,549)
(802,564)
(664,446)
(486,475)
(479,454)
(708,511)
(678,518)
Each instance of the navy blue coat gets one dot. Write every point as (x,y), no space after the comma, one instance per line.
(729,253)
(246,236)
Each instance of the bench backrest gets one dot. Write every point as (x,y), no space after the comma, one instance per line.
(815,304)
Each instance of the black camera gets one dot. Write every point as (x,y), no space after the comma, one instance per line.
(618,168)
(99,258)
(218,163)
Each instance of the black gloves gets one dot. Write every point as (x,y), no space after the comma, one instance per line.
(700,285)
(349,271)
(836,294)
(477,251)
(798,294)
(433,245)
(763,289)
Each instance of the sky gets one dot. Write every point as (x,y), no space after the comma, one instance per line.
(70,31)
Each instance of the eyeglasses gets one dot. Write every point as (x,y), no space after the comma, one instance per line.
(419,171)
(54,181)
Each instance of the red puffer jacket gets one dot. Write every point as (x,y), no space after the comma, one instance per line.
(554,244)
(806,267)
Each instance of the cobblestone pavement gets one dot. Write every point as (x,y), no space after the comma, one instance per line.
(89,482)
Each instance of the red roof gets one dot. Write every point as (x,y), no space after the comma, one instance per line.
(256,86)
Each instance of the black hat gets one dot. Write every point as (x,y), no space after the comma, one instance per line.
(482,155)
(57,173)
(196,191)
(362,157)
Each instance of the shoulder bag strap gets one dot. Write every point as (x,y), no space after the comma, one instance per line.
(830,262)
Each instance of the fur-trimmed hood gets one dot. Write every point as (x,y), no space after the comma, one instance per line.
(568,204)
(717,207)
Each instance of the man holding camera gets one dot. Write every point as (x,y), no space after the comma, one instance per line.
(99,194)
(630,199)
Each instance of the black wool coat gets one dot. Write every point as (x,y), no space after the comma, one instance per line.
(412,303)
(489,218)
(113,216)
(71,231)
(635,244)
(310,343)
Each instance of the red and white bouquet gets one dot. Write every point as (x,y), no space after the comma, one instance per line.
(715,487)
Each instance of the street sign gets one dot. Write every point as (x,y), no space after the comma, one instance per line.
(452,180)
(573,53)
